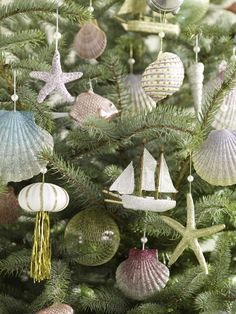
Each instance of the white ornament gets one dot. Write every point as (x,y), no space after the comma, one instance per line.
(196,78)
(43,196)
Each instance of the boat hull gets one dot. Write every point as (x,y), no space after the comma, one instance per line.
(147,203)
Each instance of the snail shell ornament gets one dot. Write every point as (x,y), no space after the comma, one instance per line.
(90,42)
(142,275)
(165,5)
(163,77)
(215,161)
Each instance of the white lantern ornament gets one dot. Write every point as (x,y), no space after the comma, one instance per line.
(42,198)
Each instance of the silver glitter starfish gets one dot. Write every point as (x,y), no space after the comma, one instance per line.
(55,80)
(190,235)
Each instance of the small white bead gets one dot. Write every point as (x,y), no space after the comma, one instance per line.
(57,35)
(91,9)
(233,58)
(144,240)
(190,178)
(44,170)
(162,34)
(196,49)
(131,61)
(14,97)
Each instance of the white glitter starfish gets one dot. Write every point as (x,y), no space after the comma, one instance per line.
(55,80)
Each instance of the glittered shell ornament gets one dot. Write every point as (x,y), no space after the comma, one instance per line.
(142,275)
(8,207)
(57,309)
(163,77)
(21,143)
(90,42)
(89,104)
(215,161)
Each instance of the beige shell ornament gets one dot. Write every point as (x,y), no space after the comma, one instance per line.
(90,42)
(8,207)
(89,104)
(57,309)
(163,77)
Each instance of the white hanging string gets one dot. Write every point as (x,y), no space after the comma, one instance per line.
(90,85)
(190,178)
(57,36)
(14,96)
(197,47)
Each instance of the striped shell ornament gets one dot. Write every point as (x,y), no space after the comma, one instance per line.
(140,101)
(215,161)
(21,143)
(164,77)
(8,207)
(57,309)
(90,42)
(142,275)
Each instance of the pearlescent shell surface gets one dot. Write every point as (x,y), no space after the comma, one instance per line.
(21,143)
(43,196)
(57,309)
(8,207)
(90,42)
(163,77)
(215,161)
(142,275)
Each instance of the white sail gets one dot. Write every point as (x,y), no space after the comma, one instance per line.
(165,184)
(149,169)
(124,184)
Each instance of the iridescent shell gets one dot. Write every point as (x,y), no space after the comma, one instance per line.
(142,275)
(8,207)
(89,104)
(57,309)
(196,78)
(90,42)
(165,5)
(215,161)
(163,77)
(21,143)
(140,102)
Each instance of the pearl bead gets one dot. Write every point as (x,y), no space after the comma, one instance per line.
(162,34)
(233,58)
(91,9)
(190,178)
(144,240)
(14,97)
(196,49)
(57,35)
(131,61)
(44,170)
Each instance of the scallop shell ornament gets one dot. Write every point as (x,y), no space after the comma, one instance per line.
(163,77)
(8,207)
(142,275)
(21,143)
(57,309)
(215,161)
(89,104)
(196,78)
(165,5)
(90,42)
(140,102)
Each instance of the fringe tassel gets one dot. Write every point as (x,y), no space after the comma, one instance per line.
(41,254)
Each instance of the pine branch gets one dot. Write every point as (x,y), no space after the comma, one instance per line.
(12,305)
(16,263)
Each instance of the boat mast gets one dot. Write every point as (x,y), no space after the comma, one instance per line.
(141,169)
(158,172)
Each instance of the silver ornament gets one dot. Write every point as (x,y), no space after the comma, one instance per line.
(165,5)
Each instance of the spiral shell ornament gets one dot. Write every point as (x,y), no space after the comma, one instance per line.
(215,161)
(142,275)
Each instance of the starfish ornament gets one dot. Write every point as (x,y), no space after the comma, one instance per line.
(55,80)
(190,235)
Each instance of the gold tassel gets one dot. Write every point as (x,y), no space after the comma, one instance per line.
(41,254)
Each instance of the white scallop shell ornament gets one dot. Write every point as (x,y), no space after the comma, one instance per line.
(90,42)
(215,161)
(142,275)
(21,143)
(163,77)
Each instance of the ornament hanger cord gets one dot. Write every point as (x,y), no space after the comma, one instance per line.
(197,47)
(57,34)
(144,238)
(14,96)
(190,173)
(162,21)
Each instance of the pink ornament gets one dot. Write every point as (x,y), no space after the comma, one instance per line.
(142,275)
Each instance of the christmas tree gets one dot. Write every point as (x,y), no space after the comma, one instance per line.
(140,99)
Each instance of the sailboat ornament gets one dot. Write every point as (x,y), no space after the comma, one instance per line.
(125,186)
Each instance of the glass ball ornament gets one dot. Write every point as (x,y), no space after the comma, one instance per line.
(92,237)
(192,11)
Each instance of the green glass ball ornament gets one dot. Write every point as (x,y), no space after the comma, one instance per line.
(92,237)
(192,11)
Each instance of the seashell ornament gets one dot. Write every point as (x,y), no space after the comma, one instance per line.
(89,104)
(215,161)
(142,275)
(140,101)
(196,78)
(90,42)
(8,207)
(165,5)
(57,309)
(163,77)
(21,143)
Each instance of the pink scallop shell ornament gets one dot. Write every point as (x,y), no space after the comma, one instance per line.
(142,275)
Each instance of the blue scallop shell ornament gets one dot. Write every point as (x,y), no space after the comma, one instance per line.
(21,143)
